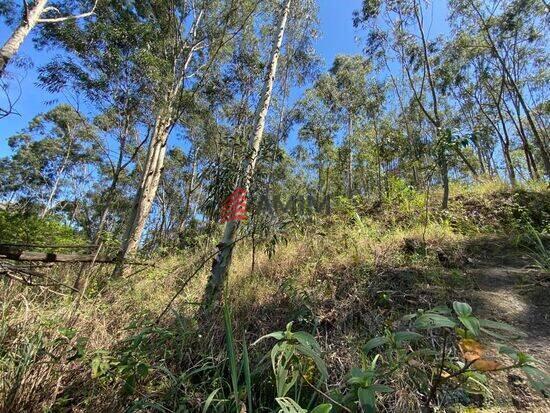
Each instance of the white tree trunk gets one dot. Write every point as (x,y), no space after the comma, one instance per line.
(59,175)
(17,38)
(222,261)
(143,200)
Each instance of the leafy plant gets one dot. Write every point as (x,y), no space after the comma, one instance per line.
(461,332)
(292,358)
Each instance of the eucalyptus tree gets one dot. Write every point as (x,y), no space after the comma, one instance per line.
(44,156)
(512,34)
(346,86)
(285,13)
(398,31)
(107,63)
(319,127)
(34,13)
(186,39)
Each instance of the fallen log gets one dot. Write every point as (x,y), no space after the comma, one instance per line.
(72,247)
(19,254)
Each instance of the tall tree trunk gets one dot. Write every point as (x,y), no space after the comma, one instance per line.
(17,38)
(444,170)
(143,200)
(505,138)
(466,162)
(107,201)
(58,176)
(529,158)
(154,161)
(222,261)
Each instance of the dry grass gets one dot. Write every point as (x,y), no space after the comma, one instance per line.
(345,278)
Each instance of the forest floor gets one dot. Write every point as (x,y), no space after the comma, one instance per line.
(510,288)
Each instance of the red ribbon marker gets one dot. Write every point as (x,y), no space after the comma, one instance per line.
(234,207)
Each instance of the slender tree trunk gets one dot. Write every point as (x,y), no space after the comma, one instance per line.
(59,173)
(378,161)
(505,143)
(319,181)
(544,152)
(350,156)
(222,261)
(480,158)
(190,187)
(327,184)
(529,158)
(154,161)
(444,171)
(466,162)
(17,38)
(107,201)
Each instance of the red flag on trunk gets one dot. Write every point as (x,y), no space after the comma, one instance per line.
(234,207)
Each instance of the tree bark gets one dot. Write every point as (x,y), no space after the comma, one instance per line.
(222,261)
(143,200)
(190,189)
(12,45)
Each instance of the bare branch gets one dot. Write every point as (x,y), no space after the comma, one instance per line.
(65,18)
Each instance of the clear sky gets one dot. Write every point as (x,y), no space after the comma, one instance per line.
(337,37)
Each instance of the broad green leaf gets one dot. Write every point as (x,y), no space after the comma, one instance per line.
(278,335)
(488,325)
(307,339)
(471,323)
(367,400)
(361,377)
(402,337)
(462,309)
(381,388)
(321,366)
(409,317)
(537,378)
(375,342)
(509,351)
(289,406)
(428,320)
(323,408)
(443,310)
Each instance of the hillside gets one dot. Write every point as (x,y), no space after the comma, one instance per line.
(344,278)
(286,206)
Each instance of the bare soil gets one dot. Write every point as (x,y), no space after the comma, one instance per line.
(511,289)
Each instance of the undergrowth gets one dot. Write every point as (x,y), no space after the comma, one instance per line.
(341,284)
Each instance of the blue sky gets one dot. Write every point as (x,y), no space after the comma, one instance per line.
(337,37)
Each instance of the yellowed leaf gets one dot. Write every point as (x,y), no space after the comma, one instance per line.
(471,350)
(486,365)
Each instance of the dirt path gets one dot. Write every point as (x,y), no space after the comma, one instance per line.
(510,289)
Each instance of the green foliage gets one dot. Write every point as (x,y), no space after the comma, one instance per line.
(22,228)
(129,364)
(435,365)
(291,358)
(30,358)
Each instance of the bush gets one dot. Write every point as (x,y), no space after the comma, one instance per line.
(17,228)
